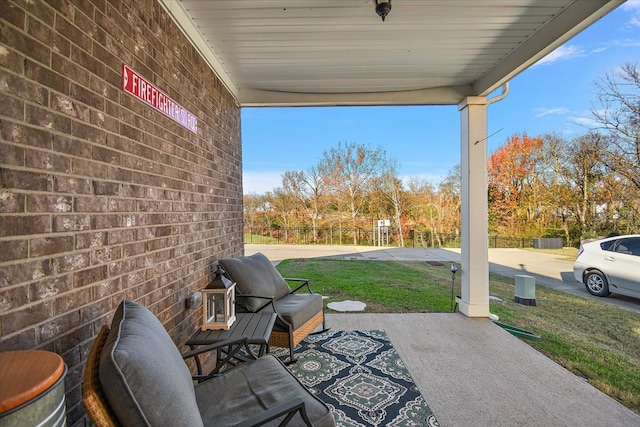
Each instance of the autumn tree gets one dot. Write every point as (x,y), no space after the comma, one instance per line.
(293,185)
(257,211)
(250,213)
(422,209)
(350,170)
(618,209)
(307,188)
(393,191)
(449,202)
(560,194)
(617,110)
(282,204)
(316,189)
(576,174)
(514,185)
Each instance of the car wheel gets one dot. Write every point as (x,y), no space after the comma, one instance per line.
(596,284)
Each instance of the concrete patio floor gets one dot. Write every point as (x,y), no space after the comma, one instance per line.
(470,371)
(473,373)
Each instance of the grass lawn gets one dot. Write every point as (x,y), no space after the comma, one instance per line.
(566,253)
(596,341)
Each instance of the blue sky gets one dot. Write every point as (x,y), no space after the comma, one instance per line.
(555,95)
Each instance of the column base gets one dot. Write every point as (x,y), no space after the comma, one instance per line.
(474,310)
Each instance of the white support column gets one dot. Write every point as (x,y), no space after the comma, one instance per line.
(475,220)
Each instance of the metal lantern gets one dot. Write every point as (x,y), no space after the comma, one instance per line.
(219,298)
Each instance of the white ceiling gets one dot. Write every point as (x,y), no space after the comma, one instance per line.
(339,52)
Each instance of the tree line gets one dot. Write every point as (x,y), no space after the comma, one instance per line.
(539,186)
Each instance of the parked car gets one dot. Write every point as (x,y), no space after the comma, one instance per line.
(610,265)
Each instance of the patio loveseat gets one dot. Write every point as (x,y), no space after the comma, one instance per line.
(260,287)
(135,376)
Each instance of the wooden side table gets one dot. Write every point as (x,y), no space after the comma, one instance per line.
(256,327)
(32,391)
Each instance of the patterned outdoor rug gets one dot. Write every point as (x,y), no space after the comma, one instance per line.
(360,376)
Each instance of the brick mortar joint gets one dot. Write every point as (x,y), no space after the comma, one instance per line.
(120,246)
(127,154)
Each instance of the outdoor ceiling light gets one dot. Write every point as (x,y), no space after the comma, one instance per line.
(383,8)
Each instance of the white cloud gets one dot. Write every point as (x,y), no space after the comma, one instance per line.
(260,182)
(567,133)
(586,122)
(562,53)
(541,112)
(628,42)
(632,5)
(566,51)
(602,112)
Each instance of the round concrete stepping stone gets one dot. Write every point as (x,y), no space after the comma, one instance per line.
(347,305)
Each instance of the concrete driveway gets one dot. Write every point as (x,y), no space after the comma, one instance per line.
(548,269)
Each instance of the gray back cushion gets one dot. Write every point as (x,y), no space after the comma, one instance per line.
(255,275)
(143,375)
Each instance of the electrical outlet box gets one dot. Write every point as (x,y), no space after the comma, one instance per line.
(194,300)
(525,290)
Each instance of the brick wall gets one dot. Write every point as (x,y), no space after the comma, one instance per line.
(101,197)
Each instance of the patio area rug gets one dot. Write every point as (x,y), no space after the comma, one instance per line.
(360,376)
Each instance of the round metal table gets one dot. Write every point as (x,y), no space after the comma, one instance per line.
(32,391)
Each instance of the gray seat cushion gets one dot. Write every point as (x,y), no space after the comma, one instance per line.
(255,275)
(143,375)
(261,384)
(297,309)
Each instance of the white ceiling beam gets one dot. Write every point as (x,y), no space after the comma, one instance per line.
(435,96)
